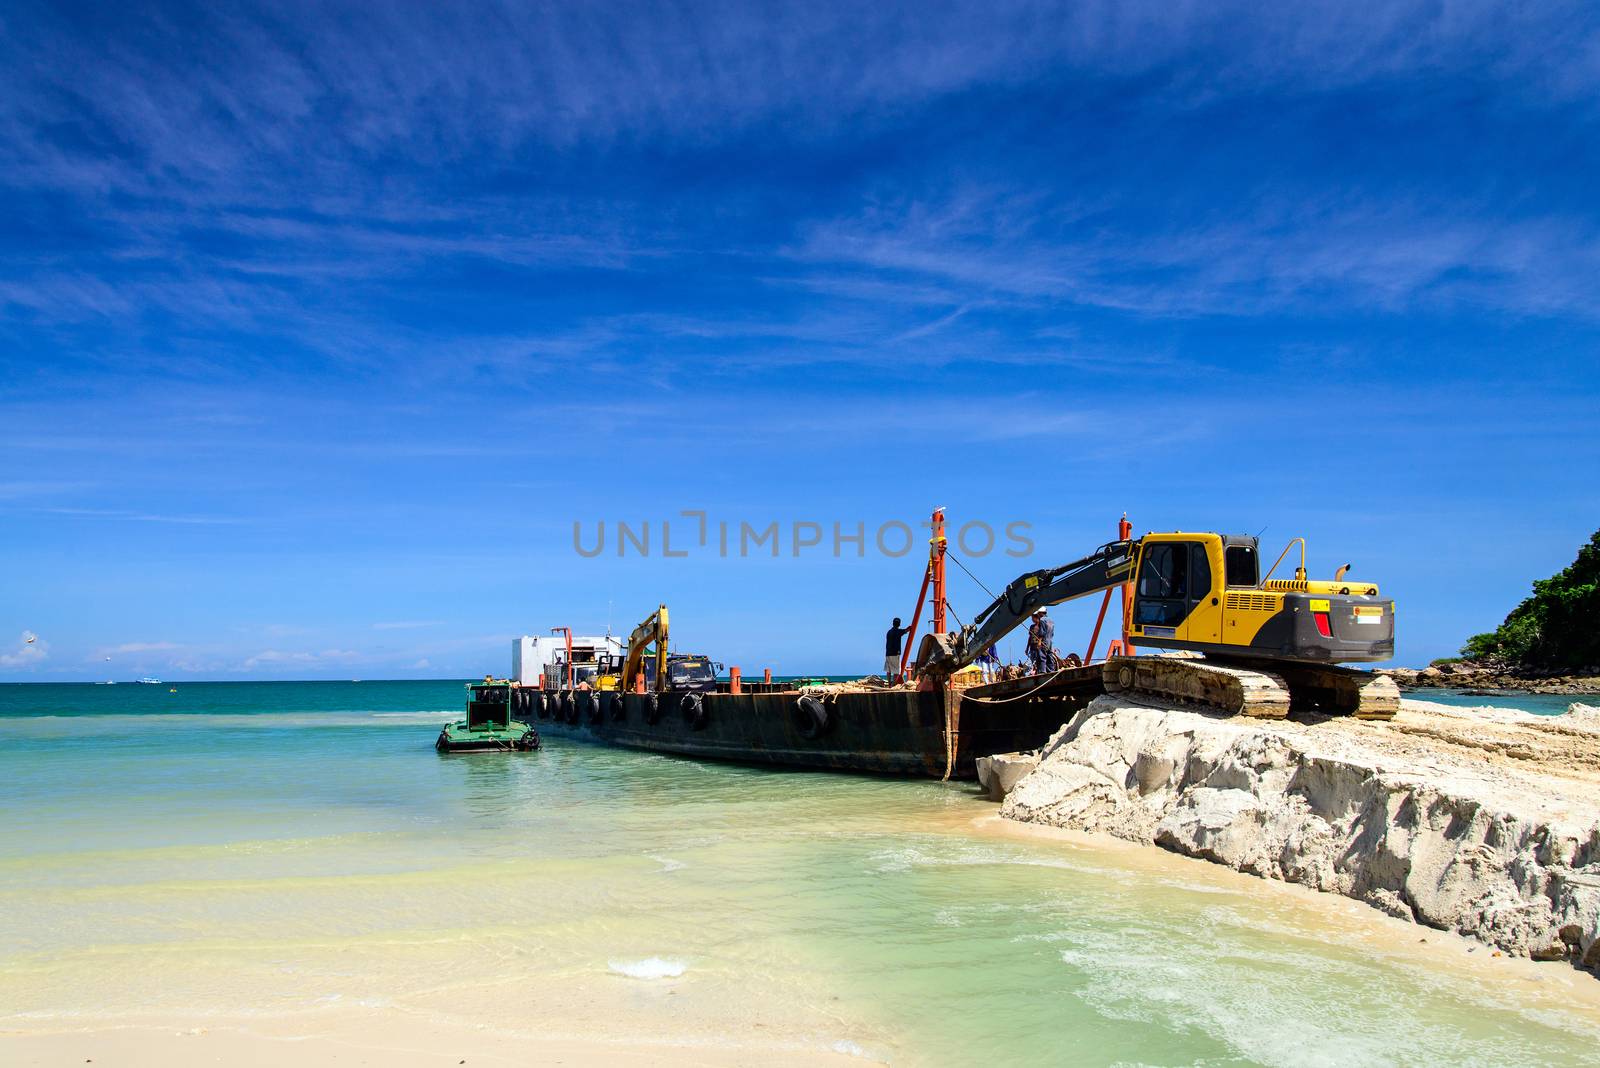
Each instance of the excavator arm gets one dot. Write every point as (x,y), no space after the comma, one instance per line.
(653,629)
(1110,565)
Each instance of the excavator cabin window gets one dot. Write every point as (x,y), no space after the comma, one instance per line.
(1174,577)
(1163,585)
(1244,569)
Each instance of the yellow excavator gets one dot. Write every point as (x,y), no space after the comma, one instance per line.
(1264,645)
(652,631)
(687,677)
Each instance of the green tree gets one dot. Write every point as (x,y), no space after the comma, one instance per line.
(1558,628)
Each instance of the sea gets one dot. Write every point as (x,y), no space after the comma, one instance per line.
(198,852)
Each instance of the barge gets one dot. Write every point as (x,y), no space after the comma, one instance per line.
(640,694)
(885,730)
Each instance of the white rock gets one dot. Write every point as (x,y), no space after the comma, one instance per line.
(1484,824)
(999,774)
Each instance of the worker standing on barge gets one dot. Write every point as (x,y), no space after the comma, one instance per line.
(1041,643)
(891,649)
(989,663)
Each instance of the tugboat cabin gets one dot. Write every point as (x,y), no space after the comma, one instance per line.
(489,706)
(490,722)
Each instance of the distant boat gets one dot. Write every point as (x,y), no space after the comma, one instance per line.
(108,682)
(148,681)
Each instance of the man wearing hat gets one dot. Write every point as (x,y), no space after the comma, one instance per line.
(1041,643)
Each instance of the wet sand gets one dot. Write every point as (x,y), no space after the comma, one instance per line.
(356,1037)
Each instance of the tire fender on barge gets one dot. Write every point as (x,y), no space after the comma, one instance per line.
(811,717)
(693,707)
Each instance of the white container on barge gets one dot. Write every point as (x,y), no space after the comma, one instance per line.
(533,656)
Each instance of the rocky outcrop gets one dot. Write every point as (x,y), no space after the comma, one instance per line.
(1491,677)
(998,775)
(1483,822)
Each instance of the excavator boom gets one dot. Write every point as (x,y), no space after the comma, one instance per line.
(1110,565)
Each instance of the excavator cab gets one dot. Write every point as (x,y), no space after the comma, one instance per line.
(1174,591)
(1203,592)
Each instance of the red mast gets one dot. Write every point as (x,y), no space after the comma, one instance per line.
(1125,533)
(568,632)
(932,575)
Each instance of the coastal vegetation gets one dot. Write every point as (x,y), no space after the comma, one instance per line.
(1554,630)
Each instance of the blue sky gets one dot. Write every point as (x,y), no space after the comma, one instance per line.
(320,325)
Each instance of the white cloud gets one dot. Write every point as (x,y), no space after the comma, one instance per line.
(129,648)
(143,517)
(279,658)
(29,652)
(1272,255)
(13,491)
(430,80)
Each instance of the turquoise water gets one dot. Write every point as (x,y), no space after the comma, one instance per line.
(281,848)
(1541,704)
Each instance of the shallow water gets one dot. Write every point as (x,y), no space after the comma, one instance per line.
(273,848)
(1540,704)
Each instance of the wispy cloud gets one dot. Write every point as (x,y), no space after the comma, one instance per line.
(431,81)
(131,648)
(1273,257)
(933,327)
(278,658)
(143,517)
(18,491)
(248,170)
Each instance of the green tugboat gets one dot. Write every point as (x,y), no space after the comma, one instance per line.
(488,726)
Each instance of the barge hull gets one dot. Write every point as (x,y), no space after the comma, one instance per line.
(887,732)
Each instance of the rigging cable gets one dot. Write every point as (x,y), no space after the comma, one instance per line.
(970,575)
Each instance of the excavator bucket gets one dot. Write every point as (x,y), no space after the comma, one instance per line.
(939,654)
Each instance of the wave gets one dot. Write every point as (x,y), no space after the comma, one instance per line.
(118,722)
(649,968)
(941,855)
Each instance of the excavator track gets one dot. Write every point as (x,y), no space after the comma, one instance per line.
(1235,690)
(1340,691)
(1250,691)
